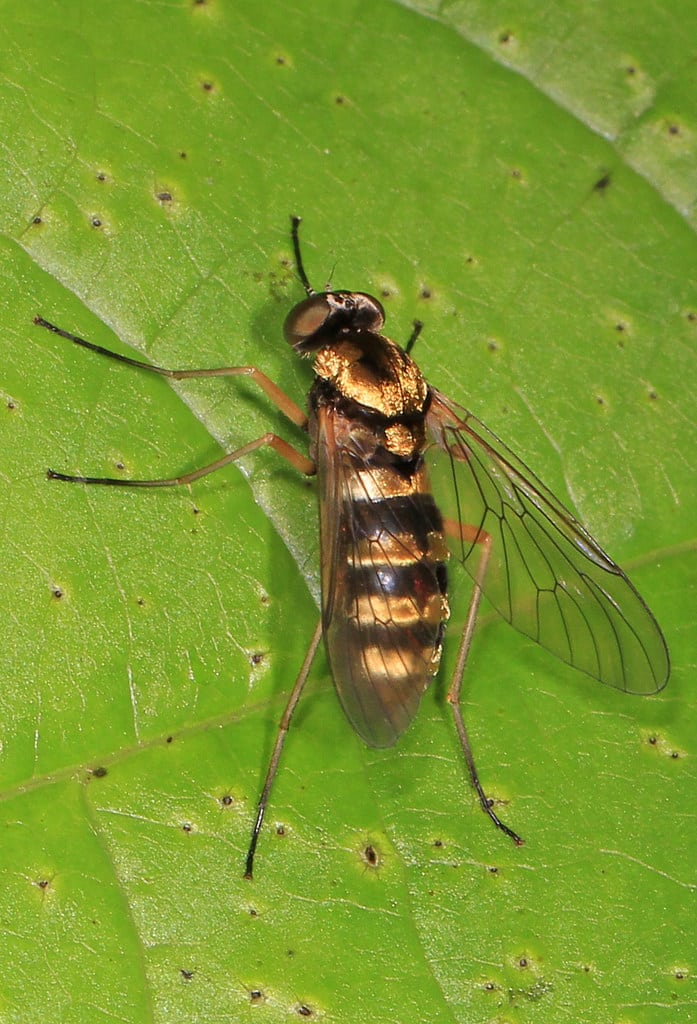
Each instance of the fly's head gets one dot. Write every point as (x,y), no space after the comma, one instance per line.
(326,318)
(361,367)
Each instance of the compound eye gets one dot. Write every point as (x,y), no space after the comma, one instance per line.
(356,310)
(305,319)
(369,310)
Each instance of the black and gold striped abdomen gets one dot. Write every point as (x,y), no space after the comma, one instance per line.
(384,580)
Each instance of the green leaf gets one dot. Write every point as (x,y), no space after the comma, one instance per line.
(522,180)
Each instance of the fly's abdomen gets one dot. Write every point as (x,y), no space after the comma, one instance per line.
(385,614)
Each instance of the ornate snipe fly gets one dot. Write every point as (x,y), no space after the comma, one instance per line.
(407,480)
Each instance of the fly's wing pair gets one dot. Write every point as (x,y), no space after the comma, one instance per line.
(545,575)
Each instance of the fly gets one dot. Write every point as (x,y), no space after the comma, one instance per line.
(407,480)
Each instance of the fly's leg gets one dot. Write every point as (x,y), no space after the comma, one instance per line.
(472,535)
(415,332)
(283,727)
(290,454)
(280,400)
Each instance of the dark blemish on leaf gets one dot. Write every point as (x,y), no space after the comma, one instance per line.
(493,870)
(37,220)
(304,1010)
(42,883)
(489,986)
(100,772)
(675,755)
(164,197)
(653,394)
(630,69)
(253,912)
(426,293)
(186,975)
(256,659)
(653,740)
(187,827)
(673,129)
(371,856)
(516,173)
(169,739)
(57,592)
(505,38)
(96,222)
(523,962)
(603,183)
(207,86)
(692,316)
(280,830)
(620,327)
(600,400)
(438,843)
(226,800)
(256,996)
(101,176)
(340,100)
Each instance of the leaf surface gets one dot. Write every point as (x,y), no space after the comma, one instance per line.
(524,182)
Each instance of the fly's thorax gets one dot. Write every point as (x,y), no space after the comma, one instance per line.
(369,369)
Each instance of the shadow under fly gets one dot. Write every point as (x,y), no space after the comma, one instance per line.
(406,480)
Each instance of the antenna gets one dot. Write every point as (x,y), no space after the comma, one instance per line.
(294,227)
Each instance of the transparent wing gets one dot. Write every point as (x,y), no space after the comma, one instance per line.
(546,575)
